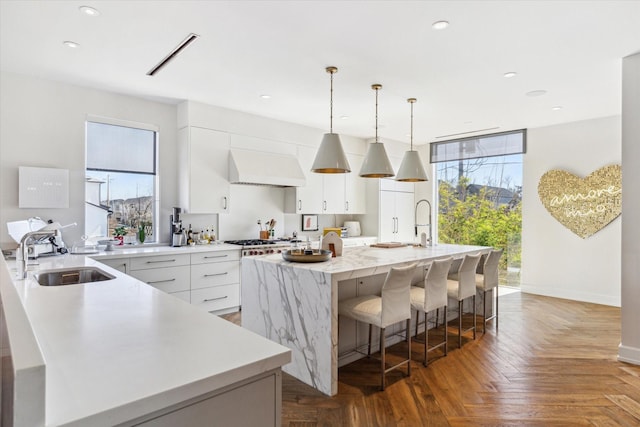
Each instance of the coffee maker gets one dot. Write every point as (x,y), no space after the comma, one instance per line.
(177,234)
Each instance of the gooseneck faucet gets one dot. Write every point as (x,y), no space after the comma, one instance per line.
(416,225)
(22,256)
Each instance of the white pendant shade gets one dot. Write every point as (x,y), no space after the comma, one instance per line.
(330,157)
(411,168)
(376,163)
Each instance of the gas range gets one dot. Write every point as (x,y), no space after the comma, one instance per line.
(253,247)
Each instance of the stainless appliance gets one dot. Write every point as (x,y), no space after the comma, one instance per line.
(177,233)
(252,247)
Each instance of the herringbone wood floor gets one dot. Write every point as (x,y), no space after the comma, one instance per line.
(552,362)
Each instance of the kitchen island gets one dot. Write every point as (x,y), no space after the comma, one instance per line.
(296,304)
(120,352)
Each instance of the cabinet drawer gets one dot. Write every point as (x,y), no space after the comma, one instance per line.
(147,262)
(170,279)
(217,256)
(217,297)
(214,274)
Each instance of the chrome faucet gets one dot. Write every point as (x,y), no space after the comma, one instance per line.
(22,256)
(416,225)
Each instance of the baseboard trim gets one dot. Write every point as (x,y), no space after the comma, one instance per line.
(571,295)
(629,354)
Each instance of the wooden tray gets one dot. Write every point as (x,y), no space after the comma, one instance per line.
(324,255)
(389,245)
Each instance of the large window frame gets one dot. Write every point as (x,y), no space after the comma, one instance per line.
(135,155)
(487,213)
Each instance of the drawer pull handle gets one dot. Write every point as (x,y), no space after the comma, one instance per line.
(214,299)
(217,256)
(166,260)
(161,281)
(216,274)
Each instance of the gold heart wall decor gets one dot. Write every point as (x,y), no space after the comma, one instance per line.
(583,205)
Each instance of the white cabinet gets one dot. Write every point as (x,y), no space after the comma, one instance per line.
(333,191)
(355,187)
(307,199)
(396,223)
(215,280)
(168,273)
(327,193)
(203,170)
(209,280)
(254,402)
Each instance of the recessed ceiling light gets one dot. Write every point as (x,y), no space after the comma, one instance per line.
(69,43)
(557,108)
(440,25)
(510,74)
(265,96)
(344,117)
(88,10)
(539,92)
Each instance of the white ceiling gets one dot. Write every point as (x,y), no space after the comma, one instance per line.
(571,49)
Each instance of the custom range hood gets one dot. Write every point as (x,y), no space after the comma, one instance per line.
(259,168)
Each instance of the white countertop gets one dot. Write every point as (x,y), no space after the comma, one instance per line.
(364,259)
(143,250)
(119,349)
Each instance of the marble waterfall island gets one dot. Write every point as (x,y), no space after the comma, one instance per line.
(296,304)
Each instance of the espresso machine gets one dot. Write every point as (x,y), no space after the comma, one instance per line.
(177,233)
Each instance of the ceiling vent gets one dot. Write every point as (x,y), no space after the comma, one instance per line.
(186,42)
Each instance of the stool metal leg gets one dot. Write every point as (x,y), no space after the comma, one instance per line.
(446,334)
(474,316)
(460,324)
(409,343)
(369,347)
(382,361)
(496,315)
(484,312)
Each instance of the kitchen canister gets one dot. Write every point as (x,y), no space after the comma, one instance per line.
(353,228)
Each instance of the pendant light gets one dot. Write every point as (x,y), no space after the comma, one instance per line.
(330,157)
(376,163)
(411,169)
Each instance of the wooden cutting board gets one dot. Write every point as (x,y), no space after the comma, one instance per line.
(389,245)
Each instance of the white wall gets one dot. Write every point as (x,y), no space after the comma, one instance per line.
(629,350)
(42,123)
(556,262)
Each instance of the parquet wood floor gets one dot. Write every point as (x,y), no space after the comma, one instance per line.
(552,362)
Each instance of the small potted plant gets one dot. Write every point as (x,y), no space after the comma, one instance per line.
(119,233)
(142,234)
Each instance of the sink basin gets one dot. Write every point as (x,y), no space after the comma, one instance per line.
(71,276)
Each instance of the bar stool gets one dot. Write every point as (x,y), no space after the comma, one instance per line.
(463,286)
(393,306)
(430,297)
(487,281)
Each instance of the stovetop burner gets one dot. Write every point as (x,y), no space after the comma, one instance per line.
(252,242)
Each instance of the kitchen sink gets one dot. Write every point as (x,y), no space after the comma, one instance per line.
(72,276)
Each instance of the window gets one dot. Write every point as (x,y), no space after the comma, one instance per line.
(121,179)
(479,183)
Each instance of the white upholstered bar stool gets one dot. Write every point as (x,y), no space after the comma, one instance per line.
(431,297)
(393,306)
(488,281)
(463,287)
